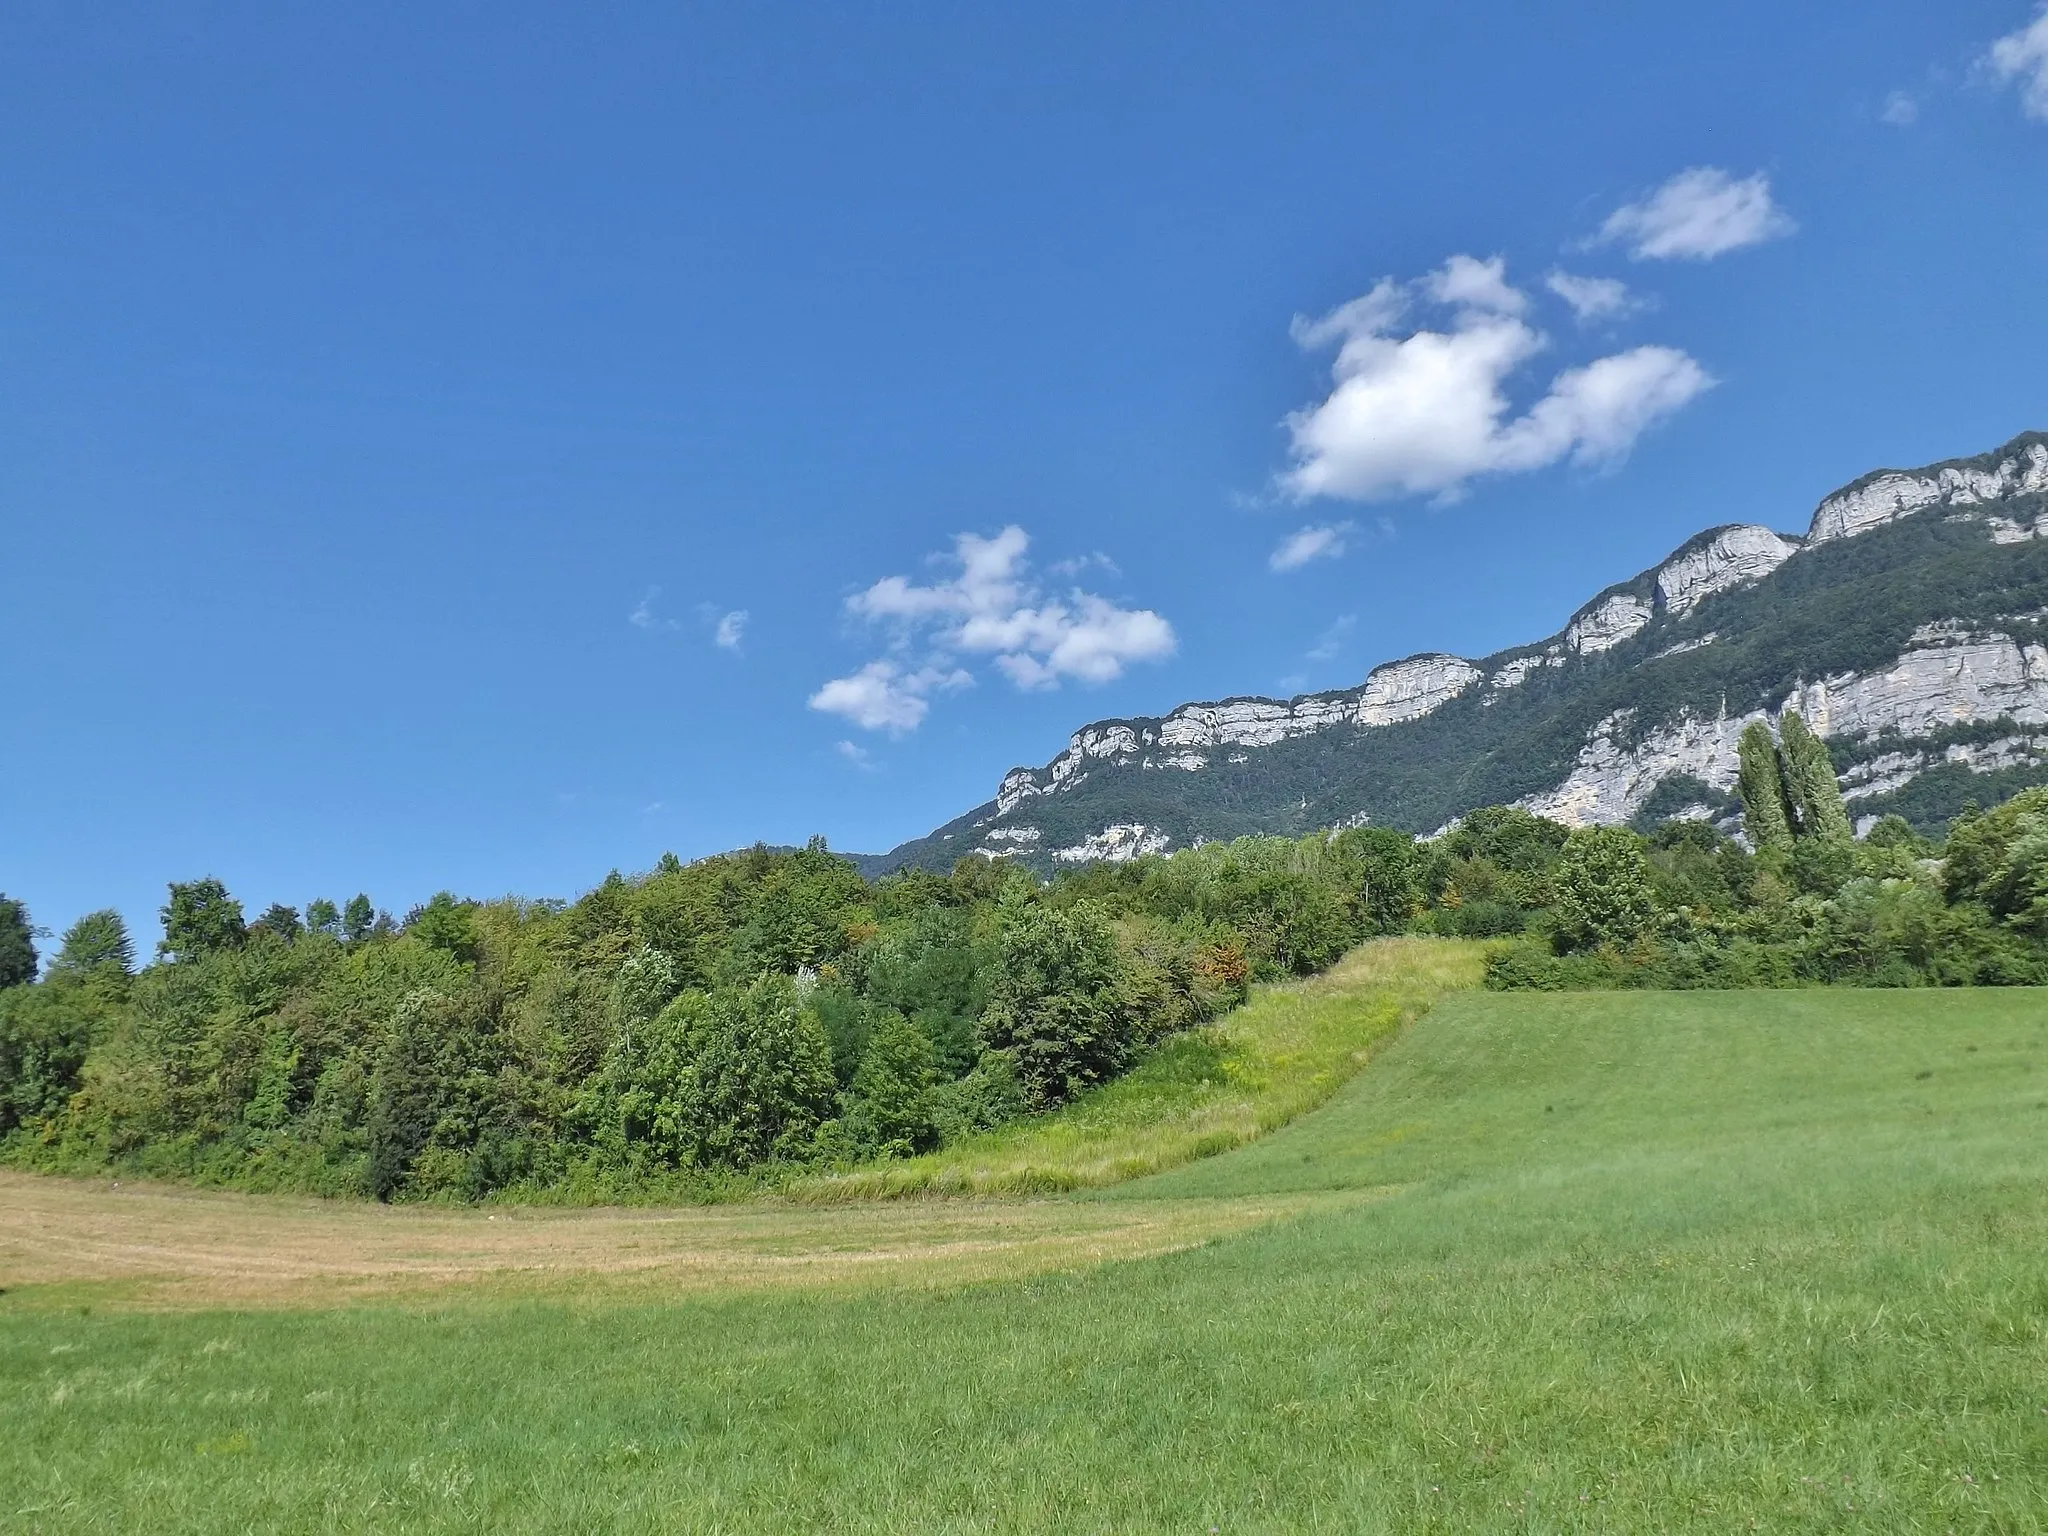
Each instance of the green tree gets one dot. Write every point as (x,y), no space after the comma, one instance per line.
(1059,1001)
(97,941)
(406,1092)
(323,916)
(888,1106)
(1999,858)
(931,971)
(1604,892)
(281,920)
(1385,879)
(1895,831)
(645,983)
(1766,816)
(445,924)
(1811,787)
(201,918)
(758,1078)
(358,919)
(17,944)
(45,1033)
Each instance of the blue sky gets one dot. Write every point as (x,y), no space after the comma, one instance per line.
(471,446)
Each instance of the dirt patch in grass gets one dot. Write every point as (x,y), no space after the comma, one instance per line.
(64,1241)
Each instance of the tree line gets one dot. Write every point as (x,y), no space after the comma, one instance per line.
(698,1022)
(768,1010)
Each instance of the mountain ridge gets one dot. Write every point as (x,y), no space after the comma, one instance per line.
(1239,761)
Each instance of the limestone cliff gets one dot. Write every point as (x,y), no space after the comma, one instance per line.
(1919,651)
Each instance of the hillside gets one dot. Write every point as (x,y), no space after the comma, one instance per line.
(1906,624)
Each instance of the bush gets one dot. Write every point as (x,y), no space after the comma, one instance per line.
(1604,894)
(45,1033)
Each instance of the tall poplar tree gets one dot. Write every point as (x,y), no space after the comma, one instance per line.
(1765,815)
(1810,784)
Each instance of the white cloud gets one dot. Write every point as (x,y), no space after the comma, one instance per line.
(1423,412)
(1473,284)
(1332,641)
(1592,298)
(1318,541)
(1698,214)
(2023,56)
(1596,413)
(855,754)
(730,629)
(1900,110)
(992,606)
(1079,565)
(883,696)
(644,617)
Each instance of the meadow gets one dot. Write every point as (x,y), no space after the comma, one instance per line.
(1615,1262)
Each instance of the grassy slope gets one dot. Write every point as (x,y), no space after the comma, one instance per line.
(1259,1067)
(1707,1262)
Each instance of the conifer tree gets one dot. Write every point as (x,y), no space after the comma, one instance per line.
(96,940)
(1765,815)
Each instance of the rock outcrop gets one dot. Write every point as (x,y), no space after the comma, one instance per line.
(1632,694)
(1891,494)
(1606,624)
(1972,679)
(1187,738)
(1730,557)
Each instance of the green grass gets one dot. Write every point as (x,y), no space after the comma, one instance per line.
(1635,1262)
(1259,1067)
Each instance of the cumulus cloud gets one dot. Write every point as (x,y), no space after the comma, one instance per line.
(1422,411)
(1471,283)
(729,630)
(883,696)
(990,606)
(1900,110)
(1593,298)
(1698,214)
(1318,541)
(855,754)
(2023,56)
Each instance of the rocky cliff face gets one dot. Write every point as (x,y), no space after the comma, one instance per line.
(1920,653)
(1889,494)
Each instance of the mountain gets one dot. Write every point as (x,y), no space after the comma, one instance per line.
(1908,626)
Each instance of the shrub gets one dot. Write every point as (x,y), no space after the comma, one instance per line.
(1604,894)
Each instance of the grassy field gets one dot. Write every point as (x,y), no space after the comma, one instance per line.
(1254,1070)
(1616,1262)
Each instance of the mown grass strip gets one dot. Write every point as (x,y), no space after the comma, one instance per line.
(1282,1054)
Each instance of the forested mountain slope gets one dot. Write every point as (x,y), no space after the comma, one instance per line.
(1909,625)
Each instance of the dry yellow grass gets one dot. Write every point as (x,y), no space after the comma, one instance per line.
(161,1246)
